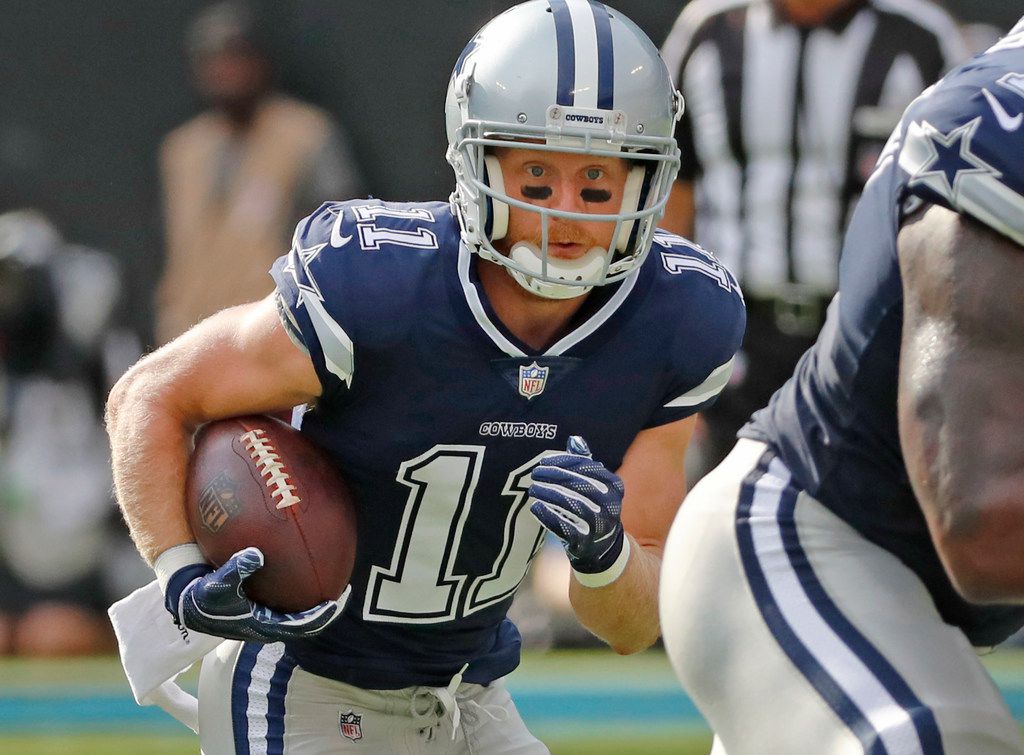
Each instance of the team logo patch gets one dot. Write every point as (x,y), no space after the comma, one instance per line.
(943,162)
(218,502)
(532,379)
(350,726)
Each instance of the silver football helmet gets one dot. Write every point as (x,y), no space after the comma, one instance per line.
(567,76)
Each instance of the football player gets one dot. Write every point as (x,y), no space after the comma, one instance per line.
(825,589)
(478,368)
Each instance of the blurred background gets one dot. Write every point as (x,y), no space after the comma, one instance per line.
(133,135)
(87,95)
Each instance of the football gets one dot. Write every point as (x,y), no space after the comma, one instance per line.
(258,481)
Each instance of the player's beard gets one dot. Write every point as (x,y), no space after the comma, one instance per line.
(563,232)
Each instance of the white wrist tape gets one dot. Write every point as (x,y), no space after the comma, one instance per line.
(176,558)
(609,575)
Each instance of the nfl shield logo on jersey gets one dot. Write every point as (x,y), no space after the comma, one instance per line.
(532,379)
(350,726)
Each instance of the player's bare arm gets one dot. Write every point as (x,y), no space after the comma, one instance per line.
(239,361)
(625,613)
(961,397)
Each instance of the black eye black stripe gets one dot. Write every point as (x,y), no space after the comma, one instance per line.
(536,192)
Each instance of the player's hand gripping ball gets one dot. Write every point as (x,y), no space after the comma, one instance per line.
(580,501)
(214,602)
(257,481)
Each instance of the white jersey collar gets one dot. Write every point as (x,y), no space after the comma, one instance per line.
(578,334)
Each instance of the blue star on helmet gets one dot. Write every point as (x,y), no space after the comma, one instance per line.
(949,158)
(467,51)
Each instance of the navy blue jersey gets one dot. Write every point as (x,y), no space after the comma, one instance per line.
(436,415)
(834,423)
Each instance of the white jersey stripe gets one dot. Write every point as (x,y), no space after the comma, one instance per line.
(723,175)
(828,109)
(477,307)
(598,318)
(584,330)
(770,59)
(711,387)
(259,699)
(773,204)
(339,352)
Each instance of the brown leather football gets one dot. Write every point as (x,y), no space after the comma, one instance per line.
(256,480)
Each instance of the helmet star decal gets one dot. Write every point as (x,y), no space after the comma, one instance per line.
(472,47)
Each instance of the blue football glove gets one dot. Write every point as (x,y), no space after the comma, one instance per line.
(580,500)
(213,602)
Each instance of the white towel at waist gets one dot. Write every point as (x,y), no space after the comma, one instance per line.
(155,650)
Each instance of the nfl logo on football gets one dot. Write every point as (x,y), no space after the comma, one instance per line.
(532,379)
(350,727)
(218,502)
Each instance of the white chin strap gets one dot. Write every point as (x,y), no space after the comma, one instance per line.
(587,267)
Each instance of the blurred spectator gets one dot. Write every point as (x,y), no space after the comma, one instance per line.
(239,176)
(788,105)
(59,355)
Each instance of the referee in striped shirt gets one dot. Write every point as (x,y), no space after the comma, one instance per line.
(788,105)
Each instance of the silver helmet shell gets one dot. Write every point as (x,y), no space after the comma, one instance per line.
(569,76)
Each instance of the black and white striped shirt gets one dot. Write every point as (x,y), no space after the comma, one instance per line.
(783,124)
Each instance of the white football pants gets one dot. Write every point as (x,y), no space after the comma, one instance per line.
(254,700)
(795,635)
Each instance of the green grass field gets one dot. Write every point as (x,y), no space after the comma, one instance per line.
(125,744)
(578,702)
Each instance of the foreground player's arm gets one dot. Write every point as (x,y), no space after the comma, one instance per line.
(961,397)
(624,611)
(240,361)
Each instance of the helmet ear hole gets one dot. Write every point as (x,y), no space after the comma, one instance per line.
(630,203)
(497,212)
